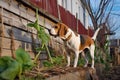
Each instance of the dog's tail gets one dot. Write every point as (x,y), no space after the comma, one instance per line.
(95,34)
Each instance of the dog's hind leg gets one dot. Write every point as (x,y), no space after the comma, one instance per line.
(83,54)
(92,48)
(68,59)
(76,58)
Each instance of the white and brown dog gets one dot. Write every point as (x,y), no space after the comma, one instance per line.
(75,42)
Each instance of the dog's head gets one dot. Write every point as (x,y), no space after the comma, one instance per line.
(59,30)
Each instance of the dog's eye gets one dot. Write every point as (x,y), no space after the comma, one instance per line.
(55,27)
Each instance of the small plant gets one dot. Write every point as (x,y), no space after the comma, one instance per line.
(81,61)
(103,57)
(10,68)
(57,61)
(42,35)
(44,38)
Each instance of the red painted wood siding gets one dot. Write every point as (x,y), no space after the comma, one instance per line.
(51,7)
(48,6)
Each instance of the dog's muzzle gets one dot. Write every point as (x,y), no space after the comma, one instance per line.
(49,30)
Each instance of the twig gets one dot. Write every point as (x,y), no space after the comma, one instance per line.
(49,54)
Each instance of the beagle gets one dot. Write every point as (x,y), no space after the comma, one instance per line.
(75,42)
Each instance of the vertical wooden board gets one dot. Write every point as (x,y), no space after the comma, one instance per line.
(0,12)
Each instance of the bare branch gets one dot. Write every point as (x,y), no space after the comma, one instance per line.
(98,8)
(97,16)
(103,6)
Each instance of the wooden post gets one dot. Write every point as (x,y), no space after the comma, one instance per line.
(33,45)
(1,31)
(77,22)
(58,11)
(12,45)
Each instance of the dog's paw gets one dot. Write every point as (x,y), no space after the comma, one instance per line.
(92,67)
(68,65)
(86,65)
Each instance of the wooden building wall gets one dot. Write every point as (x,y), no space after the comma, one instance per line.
(14,16)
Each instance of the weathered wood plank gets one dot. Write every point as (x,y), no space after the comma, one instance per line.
(18,44)
(19,34)
(7,52)
(19,22)
(26,14)
(7,47)
(16,16)
(14,20)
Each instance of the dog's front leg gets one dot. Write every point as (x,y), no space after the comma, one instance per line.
(68,60)
(76,58)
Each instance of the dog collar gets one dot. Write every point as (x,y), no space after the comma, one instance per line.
(68,38)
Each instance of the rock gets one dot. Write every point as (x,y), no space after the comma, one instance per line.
(75,74)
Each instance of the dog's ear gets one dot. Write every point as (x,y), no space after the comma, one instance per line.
(63,30)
